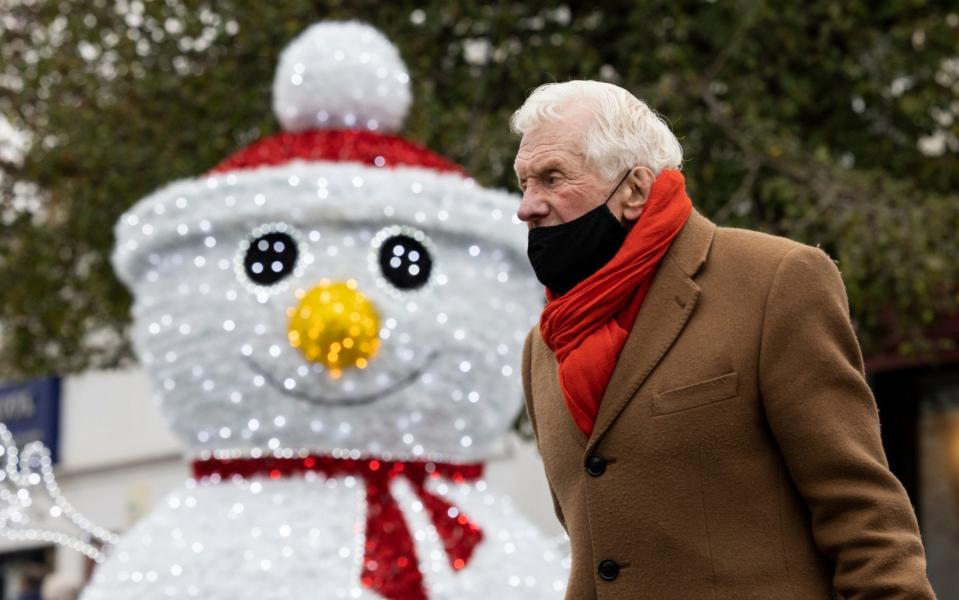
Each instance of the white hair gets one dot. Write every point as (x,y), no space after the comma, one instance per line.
(624,132)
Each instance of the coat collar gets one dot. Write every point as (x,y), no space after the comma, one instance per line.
(691,246)
(667,307)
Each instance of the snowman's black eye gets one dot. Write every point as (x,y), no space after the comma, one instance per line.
(405,262)
(270,258)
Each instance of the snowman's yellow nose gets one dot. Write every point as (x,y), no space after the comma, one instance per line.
(336,325)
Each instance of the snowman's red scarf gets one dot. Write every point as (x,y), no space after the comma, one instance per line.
(390,566)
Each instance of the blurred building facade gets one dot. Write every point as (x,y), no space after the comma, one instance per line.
(918,401)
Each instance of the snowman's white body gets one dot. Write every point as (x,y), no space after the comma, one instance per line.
(299,538)
(443,384)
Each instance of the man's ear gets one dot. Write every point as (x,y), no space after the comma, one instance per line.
(639,182)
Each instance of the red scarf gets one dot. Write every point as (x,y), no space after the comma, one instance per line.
(587,326)
(390,565)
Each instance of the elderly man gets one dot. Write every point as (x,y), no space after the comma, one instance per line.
(697,392)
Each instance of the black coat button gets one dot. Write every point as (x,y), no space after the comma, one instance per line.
(595,465)
(608,570)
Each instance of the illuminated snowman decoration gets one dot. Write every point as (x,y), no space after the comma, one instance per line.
(333,319)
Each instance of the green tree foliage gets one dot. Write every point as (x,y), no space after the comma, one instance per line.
(829,122)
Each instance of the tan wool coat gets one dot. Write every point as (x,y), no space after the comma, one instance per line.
(736,454)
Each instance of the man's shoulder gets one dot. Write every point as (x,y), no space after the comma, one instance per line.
(753,241)
(754,249)
(750,261)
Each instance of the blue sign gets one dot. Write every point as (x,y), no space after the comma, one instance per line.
(31,411)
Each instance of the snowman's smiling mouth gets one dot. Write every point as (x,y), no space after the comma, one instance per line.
(385,390)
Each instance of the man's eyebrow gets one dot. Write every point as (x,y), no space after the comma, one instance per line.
(544,166)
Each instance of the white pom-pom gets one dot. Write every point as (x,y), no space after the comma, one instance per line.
(341,75)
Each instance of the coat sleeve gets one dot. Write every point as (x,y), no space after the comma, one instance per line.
(825,421)
(527,392)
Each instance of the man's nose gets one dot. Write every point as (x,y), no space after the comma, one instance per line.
(533,206)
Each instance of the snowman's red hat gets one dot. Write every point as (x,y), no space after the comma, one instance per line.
(366,147)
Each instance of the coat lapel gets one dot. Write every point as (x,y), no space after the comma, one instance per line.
(667,307)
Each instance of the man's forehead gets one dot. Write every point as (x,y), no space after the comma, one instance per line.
(556,148)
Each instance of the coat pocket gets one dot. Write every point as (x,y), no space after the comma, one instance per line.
(698,394)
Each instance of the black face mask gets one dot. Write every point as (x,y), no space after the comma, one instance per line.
(566,254)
